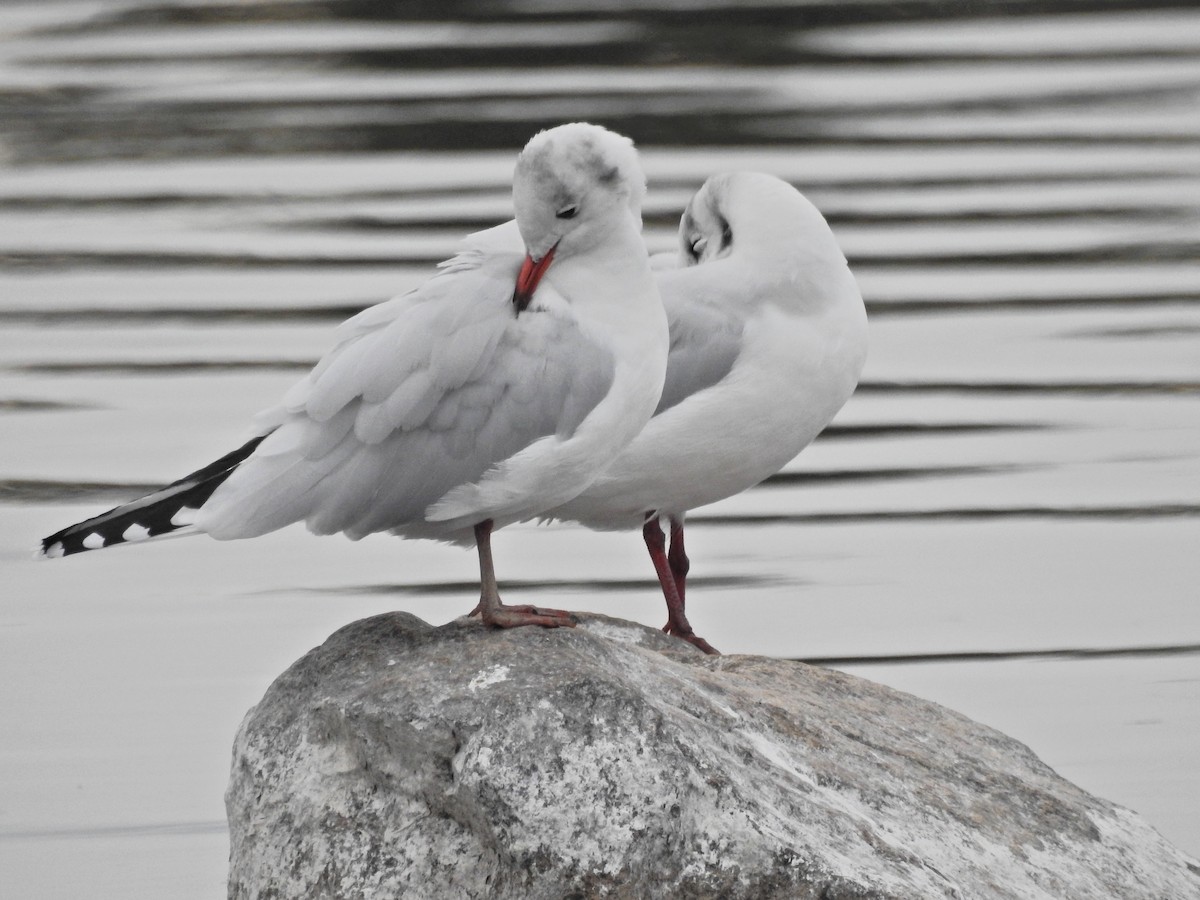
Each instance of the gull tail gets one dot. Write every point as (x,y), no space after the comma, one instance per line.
(166,510)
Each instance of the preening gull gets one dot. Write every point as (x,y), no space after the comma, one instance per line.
(768,339)
(495,391)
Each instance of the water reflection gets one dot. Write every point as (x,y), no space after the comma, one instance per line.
(257,78)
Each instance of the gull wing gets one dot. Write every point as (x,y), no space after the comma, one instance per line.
(706,331)
(420,394)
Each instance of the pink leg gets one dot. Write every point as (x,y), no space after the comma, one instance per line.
(652,534)
(677,623)
(678,559)
(500,615)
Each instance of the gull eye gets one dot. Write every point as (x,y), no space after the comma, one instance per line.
(697,246)
(568,212)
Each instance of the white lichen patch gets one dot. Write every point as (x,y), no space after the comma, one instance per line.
(776,756)
(613,631)
(495,675)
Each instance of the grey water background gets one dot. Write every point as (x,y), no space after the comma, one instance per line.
(1005,518)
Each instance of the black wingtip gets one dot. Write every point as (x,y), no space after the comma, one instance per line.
(161,512)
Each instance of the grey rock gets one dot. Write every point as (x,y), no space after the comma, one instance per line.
(402,760)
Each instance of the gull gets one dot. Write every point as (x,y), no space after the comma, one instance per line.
(768,339)
(495,391)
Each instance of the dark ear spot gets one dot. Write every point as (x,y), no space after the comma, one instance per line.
(599,167)
(687,228)
(717,187)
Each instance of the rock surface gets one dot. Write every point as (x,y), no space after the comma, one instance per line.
(398,759)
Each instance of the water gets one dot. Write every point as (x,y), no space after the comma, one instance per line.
(1005,518)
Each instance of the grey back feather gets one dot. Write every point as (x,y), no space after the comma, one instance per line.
(705,336)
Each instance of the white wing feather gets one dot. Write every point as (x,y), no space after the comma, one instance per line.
(422,394)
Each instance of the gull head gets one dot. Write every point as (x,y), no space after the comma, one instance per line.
(761,234)
(574,186)
(705,232)
(755,216)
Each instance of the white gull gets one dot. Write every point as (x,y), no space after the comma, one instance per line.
(463,405)
(768,339)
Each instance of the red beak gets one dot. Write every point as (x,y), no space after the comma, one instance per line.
(529,276)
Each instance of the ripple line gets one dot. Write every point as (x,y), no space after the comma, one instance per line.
(1158,511)
(1076,653)
(168,829)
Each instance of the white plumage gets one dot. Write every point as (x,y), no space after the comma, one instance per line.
(442,408)
(465,404)
(768,338)
(428,394)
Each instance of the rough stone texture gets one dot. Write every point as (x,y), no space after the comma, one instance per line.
(399,759)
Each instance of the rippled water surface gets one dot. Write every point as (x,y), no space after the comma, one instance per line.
(1005,518)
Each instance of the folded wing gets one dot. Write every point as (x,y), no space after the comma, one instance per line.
(706,334)
(420,395)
